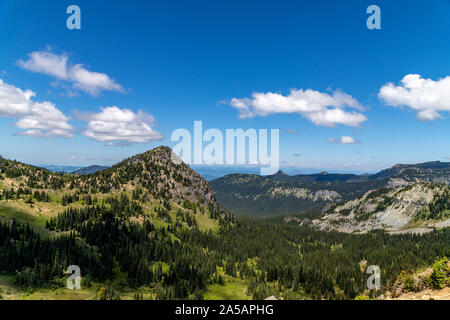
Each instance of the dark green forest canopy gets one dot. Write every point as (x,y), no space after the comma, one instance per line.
(298,259)
(177,259)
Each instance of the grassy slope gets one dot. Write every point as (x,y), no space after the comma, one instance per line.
(22,213)
(36,216)
(234,289)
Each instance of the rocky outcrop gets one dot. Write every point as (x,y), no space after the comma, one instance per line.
(303,193)
(393,209)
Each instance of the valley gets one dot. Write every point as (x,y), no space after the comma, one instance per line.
(402,198)
(147,228)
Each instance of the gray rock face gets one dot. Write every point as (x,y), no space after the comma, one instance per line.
(179,180)
(391,209)
(304,193)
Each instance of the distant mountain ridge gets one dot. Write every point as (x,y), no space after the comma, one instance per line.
(433,171)
(89,170)
(322,176)
(281,194)
(57,168)
(430,171)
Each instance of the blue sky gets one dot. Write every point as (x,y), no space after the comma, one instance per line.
(183,61)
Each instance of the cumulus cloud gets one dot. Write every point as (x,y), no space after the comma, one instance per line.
(36,119)
(426,96)
(320,108)
(45,120)
(14,102)
(49,63)
(343,140)
(119,127)
(92,82)
(75,157)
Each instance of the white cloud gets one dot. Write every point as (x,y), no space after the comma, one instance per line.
(57,66)
(318,107)
(343,140)
(92,82)
(75,157)
(117,126)
(351,164)
(14,102)
(427,97)
(68,92)
(37,119)
(47,63)
(45,120)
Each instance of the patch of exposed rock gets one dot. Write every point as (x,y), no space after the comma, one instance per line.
(392,209)
(303,193)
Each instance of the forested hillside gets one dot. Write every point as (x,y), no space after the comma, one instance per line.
(147,228)
(281,194)
(89,170)
(419,207)
(245,194)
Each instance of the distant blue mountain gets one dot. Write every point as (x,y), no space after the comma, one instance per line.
(89,170)
(212,172)
(73,169)
(216,171)
(56,168)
